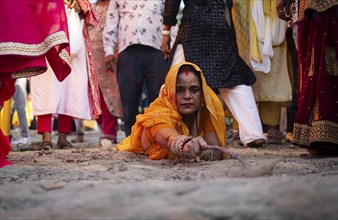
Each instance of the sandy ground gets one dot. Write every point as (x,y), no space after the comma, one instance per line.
(92,182)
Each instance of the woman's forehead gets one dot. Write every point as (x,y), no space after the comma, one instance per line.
(187,77)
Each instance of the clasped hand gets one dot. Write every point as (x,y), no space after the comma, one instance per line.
(193,148)
(188,147)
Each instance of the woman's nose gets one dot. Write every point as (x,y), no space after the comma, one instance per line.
(187,95)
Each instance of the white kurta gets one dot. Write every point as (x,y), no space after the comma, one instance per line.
(69,97)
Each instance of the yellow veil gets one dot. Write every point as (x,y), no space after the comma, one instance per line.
(163,112)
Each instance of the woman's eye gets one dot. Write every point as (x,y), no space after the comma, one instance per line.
(195,89)
(179,89)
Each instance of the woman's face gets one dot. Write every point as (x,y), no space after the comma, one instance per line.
(188,93)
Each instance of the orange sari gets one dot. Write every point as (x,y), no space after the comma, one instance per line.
(162,113)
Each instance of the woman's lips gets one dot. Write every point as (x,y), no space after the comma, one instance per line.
(187,105)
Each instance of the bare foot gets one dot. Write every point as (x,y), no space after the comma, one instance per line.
(78,139)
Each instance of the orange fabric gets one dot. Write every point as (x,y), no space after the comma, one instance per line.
(162,113)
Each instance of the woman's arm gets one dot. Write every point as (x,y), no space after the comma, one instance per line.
(187,146)
(165,137)
(171,8)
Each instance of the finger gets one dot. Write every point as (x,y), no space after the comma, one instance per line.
(192,153)
(188,149)
(201,142)
(197,148)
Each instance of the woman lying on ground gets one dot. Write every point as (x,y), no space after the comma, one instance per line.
(182,121)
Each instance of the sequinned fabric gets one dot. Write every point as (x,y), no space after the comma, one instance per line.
(209,41)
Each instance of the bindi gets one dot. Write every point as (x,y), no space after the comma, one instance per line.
(186,72)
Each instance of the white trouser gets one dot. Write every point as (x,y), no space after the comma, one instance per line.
(241,103)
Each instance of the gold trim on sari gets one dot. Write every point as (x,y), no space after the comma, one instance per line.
(14,48)
(317,5)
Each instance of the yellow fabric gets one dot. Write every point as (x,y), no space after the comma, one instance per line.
(89,124)
(254,50)
(5,115)
(269,8)
(162,112)
(270,112)
(241,10)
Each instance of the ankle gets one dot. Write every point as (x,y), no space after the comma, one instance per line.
(46,136)
(62,137)
(273,127)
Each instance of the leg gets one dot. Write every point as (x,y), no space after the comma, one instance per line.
(270,115)
(45,128)
(130,80)
(79,131)
(108,124)
(241,102)
(64,128)
(20,105)
(154,72)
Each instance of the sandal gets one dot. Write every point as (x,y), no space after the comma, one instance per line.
(274,136)
(257,143)
(23,147)
(235,140)
(45,145)
(65,145)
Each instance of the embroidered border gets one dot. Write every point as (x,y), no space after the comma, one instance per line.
(28,72)
(320,131)
(14,48)
(64,55)
(317,5)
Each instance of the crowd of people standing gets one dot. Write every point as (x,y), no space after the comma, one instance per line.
(92,60)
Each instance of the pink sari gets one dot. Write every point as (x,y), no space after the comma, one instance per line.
(31,31)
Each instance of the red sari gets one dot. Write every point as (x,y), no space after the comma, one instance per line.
(317,115)
(31,31)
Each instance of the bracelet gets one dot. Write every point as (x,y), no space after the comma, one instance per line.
(178,144)
(207,155)
(166,32)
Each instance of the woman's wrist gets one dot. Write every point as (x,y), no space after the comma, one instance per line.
(166,32)
(178,143)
